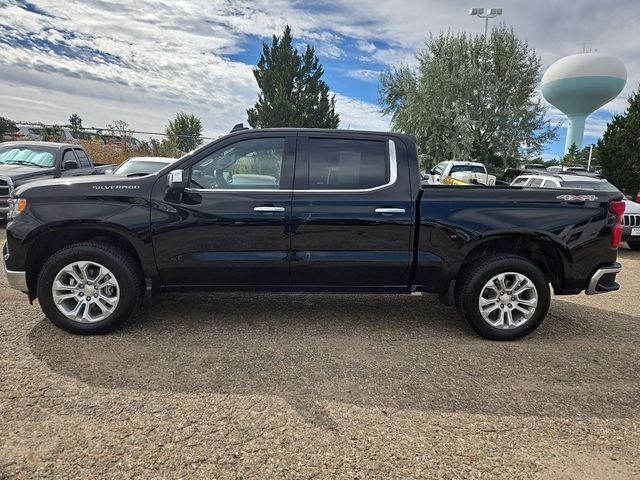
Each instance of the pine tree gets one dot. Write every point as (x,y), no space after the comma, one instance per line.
(573,157)
(75,122)
(292,92)
(619,148)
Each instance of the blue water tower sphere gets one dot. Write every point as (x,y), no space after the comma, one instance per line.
(579,84)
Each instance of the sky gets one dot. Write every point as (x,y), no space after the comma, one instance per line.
(143,61)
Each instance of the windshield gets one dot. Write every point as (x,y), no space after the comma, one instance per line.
(587,185)
(141,167)
(32,156)
(468,168)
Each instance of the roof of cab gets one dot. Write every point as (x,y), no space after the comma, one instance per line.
(29,143)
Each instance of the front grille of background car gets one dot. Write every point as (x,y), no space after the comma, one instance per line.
(631,220)
(5,189)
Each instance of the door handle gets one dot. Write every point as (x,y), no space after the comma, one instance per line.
(389,211)
(266,209)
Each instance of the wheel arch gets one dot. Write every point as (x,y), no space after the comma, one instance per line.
(46,243)
(542,251)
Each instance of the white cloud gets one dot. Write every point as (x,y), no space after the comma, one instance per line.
(359,115)
(364,74)
(148,59)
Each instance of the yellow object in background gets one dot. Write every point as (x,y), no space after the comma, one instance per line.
(452,181)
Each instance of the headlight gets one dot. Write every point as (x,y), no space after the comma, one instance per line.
(16,206)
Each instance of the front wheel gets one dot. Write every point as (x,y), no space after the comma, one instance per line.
(634,244)
(503,298)
(89,288)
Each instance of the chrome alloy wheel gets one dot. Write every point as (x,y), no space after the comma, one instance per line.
(85,292)
(508,300)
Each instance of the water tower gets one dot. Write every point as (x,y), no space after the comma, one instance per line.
(579,84)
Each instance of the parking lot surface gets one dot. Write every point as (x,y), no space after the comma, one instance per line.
(319,386)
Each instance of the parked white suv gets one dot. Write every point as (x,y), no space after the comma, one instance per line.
(630,219)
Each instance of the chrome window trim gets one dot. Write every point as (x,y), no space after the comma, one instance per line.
(393,177)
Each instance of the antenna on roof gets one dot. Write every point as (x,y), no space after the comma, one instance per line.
(239,126)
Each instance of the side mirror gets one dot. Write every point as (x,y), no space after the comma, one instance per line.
(70,165)
(108,172)
(177,180)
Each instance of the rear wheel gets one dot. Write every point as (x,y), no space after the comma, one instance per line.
(503,298)
(89,288)
(634,244)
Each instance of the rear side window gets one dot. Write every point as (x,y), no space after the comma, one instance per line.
(549,184)
(84,160)
(536,182)
(343,164)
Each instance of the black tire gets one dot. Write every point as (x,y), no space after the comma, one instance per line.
(634,245)
(471,285)
(120,263)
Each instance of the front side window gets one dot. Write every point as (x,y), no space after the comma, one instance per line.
(69,157)
(248,164)
(341,164)
(439,169)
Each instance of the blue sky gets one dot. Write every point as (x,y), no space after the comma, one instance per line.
(144,61)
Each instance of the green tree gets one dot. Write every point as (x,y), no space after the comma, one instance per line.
(76,123)
(292,92)
(471,98)
(6,126)
(574,157)
(185,131)
(160,148)
(619,148)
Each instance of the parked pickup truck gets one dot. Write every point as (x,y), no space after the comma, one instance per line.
(22,162)
(307,210)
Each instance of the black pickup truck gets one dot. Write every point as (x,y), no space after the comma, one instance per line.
(22,162)
(307,210)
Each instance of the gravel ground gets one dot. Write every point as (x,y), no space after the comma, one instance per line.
(301,386)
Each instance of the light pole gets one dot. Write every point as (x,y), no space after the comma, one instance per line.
(590,158)
(490,13)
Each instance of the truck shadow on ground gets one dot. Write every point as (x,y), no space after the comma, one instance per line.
(390,352)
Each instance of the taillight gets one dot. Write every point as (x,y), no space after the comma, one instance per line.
(638,198)
(616,207)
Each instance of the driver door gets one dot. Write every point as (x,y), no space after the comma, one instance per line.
(231,225)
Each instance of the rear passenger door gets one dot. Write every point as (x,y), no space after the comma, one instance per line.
(352,212)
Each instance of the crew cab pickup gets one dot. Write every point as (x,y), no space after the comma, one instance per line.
(22,162)
(307,210)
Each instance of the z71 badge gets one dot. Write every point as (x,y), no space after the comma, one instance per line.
(577,198)
(115,187)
